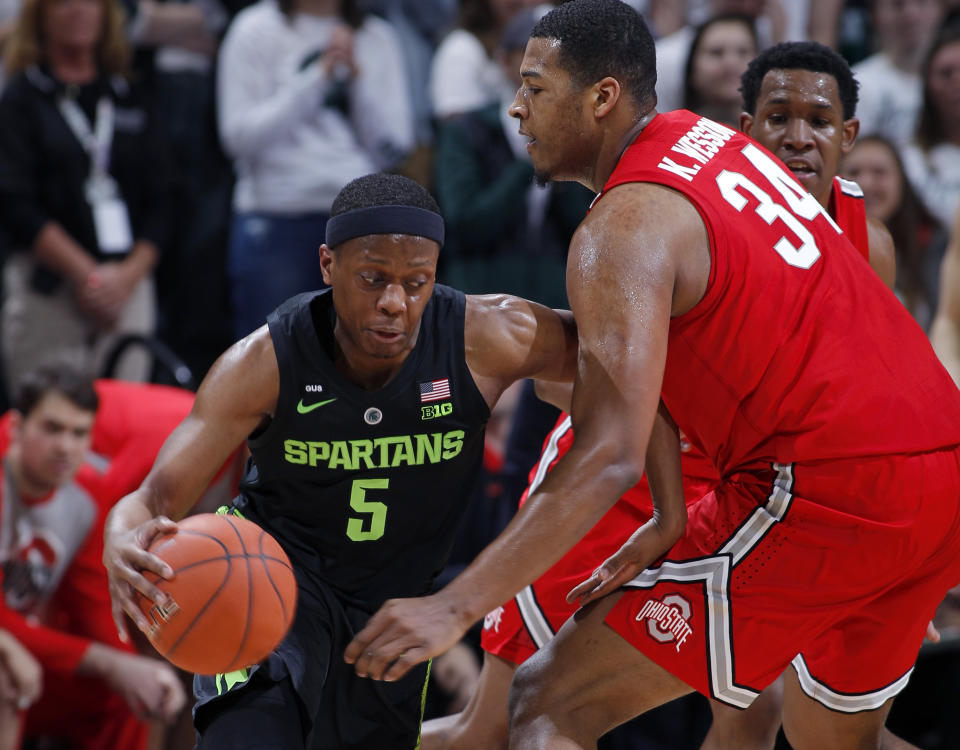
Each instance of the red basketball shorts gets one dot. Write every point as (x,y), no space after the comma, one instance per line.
(835,568)
(515,630)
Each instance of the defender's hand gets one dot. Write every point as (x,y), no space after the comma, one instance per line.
(403,633)
(644,547)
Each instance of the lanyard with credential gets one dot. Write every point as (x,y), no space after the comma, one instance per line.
(96,142)
(110,218)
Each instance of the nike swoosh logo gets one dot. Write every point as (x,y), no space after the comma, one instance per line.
(306,409)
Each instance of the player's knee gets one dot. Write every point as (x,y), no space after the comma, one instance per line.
(807,735)
(530,693)
(464,734)
(491,735)
(798,733)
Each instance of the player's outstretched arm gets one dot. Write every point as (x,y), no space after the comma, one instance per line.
(508,338)
(622,287)
(945,331)
(238,394)
(657,534)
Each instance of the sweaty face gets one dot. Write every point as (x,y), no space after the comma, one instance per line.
(53,440)
(381,284)
(552,113)
(724,51)
(799,118)
(874,168)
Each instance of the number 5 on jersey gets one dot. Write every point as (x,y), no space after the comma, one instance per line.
(377,511)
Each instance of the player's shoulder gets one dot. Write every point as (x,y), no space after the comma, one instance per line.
(636,212)
(248,360)
(244,380)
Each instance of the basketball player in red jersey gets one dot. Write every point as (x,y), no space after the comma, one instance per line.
(799,102)
(706,273)
(802,97)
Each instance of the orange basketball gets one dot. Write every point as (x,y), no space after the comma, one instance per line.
(233,594)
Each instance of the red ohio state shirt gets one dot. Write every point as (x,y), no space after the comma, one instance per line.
(797,351)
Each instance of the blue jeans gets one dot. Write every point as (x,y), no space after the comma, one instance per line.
(271,257)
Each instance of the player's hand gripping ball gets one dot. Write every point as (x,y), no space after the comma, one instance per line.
(233,594)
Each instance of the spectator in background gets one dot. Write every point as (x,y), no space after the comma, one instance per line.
(932,161)
(504,232)
(82,190)
(132,422)
(9,9)
(311,95)
(674,50)
(719,53)
(420,25)
(54,593)
(21,679)
(465,74)
(175,44)
(890,82)
(918,238)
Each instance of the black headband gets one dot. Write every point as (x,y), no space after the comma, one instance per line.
(361,222)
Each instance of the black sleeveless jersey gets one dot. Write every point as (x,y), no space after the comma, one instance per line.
(365,489)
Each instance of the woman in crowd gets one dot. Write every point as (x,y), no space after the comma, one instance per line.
(918,237)
(311,95)
(83,197)
(719,53)
(932,162)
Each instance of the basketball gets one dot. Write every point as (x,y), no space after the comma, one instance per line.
(233,594)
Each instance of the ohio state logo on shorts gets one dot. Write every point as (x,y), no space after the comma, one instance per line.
(668,619)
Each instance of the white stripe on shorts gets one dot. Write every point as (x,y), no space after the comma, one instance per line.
(848,703)
(715,573)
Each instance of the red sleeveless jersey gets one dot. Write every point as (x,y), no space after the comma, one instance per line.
(797,351)
(847,208)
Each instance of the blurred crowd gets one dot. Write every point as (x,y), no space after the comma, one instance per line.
(167,171)
(167,168)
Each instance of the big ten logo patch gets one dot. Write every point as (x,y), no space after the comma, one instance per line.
(436,410)
(668,619)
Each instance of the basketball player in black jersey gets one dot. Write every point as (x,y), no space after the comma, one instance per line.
(364,409)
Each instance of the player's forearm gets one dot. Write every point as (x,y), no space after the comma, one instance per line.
(575,495)
(133,510)
(664,474)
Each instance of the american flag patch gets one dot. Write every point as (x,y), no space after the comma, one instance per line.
(435,390)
